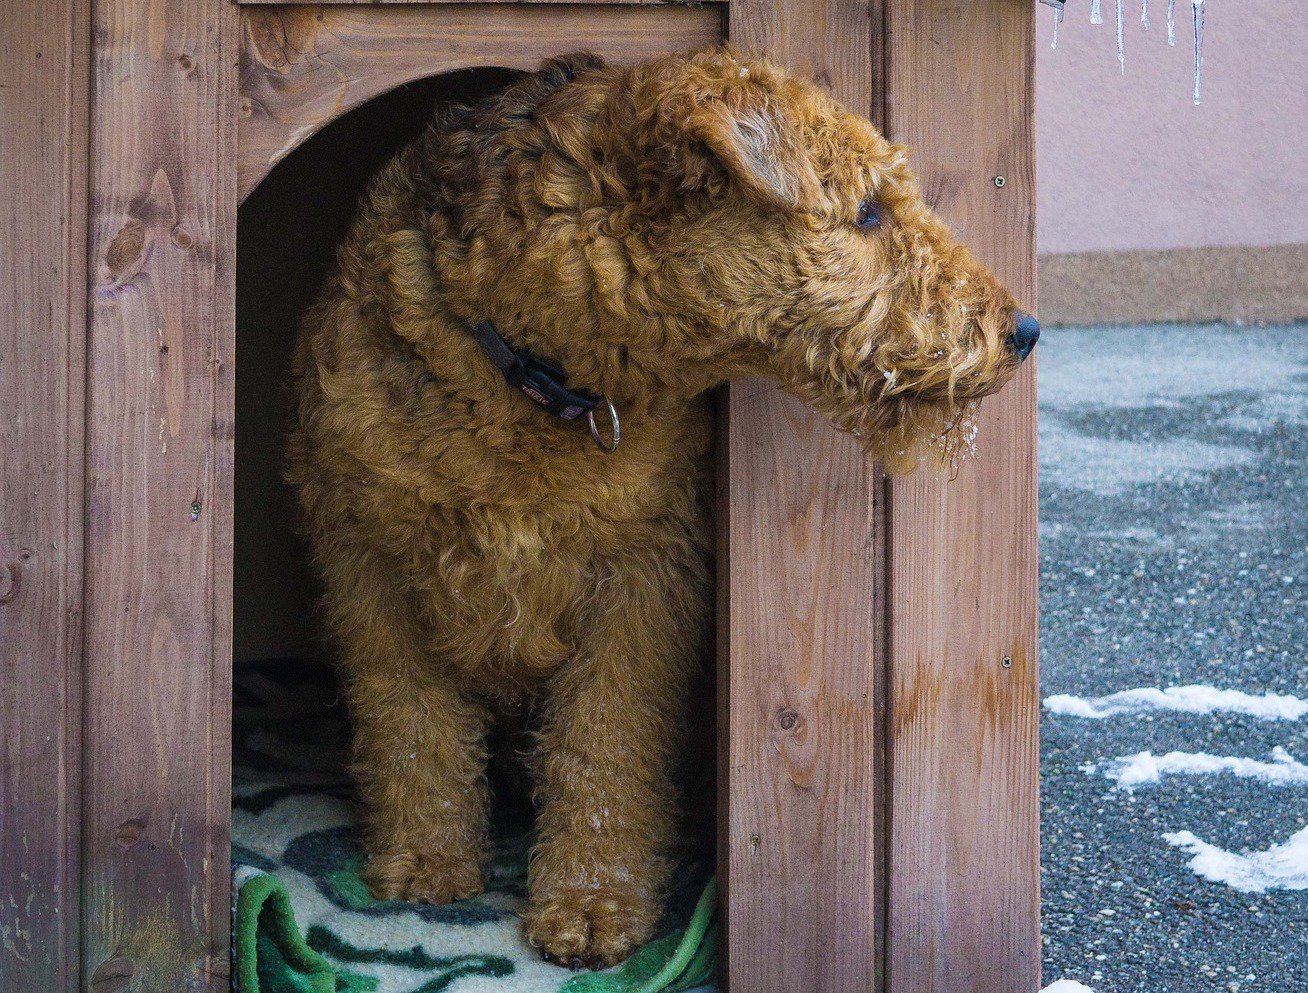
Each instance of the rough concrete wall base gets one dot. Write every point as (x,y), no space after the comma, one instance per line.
(1224,283)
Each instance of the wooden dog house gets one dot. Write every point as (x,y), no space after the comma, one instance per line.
(877,644)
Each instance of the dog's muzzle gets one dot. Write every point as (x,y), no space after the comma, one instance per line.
(1026,332)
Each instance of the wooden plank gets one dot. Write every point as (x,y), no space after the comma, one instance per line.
(798,650)
(156,874)
(964,888)
(43,101)
(302,66)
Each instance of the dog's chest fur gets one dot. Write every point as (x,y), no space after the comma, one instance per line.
(500,522)
(504,588)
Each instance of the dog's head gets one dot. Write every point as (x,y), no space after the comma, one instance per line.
(726,218)
(805,235)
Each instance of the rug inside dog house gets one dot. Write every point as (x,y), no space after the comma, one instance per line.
(876,684)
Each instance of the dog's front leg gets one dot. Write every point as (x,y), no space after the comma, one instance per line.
(615,718)
(419,744)
(419,762)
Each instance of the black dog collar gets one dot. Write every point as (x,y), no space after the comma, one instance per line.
(543,384)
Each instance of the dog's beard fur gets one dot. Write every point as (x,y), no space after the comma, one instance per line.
(910,396)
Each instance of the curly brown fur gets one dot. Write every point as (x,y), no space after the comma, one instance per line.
(654,230)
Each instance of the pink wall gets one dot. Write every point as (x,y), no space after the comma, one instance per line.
(1127,162)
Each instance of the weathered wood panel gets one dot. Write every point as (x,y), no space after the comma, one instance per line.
(964,894)
(302,66)
(43,100)
(157,730)
(799,650)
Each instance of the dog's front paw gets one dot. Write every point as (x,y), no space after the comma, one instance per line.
(591,927)
(423,877)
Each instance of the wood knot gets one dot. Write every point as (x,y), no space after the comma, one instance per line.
(126,251)
(279,37)
(181,237)
(113,975)
(787,719)
(129,832)
(186,64)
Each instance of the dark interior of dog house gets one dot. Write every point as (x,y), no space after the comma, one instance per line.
(294,809)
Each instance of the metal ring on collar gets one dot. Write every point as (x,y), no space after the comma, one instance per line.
(613,419)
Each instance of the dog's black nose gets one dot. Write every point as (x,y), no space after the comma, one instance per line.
(1026,332)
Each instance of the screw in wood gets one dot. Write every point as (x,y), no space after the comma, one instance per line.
(1000,181)
(1006,662)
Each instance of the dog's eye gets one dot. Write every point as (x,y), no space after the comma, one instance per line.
(869,215)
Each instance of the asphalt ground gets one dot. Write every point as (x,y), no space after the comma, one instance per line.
(1174,550)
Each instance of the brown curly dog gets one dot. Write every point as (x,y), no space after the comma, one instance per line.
(650,231)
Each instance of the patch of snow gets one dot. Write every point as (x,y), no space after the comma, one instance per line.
(1145,768)
(1067,986)
(1222,522)
(1269,413)
(1075,461)
(1080,375)
(1194,699)
(1079,367)
(1281,867)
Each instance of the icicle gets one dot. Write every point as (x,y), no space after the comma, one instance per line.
(1171,22)
(1058,19)
(1197,15)
(1121,44)
(1096,12)
(1144,14)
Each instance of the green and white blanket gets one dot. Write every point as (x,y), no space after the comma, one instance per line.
(305,923)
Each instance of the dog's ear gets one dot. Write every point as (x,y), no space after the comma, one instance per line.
(762,149)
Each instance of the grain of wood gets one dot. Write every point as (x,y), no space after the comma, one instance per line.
(43,101)
(157,732)
(799,636)
(302,66)
(964,895)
